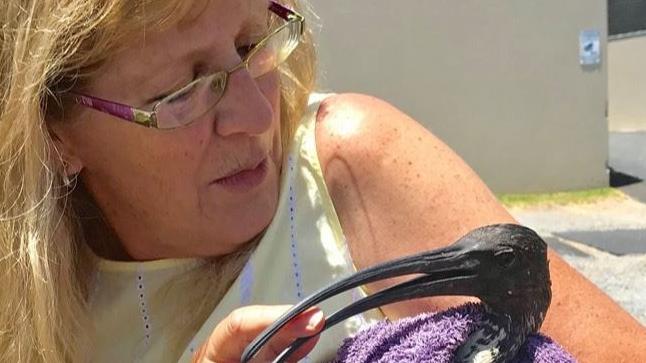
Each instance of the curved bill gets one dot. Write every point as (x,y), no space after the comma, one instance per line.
(420,287)
(443,269)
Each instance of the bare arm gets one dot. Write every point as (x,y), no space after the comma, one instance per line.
(399,190)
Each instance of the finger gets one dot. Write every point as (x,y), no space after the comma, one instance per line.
(313,321)
(304,350)
(238,329)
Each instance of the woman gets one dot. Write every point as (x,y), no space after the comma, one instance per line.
(161,168)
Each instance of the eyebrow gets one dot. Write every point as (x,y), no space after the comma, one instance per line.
(162,92)
(170,75)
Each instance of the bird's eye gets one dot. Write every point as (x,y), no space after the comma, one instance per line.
(505,258)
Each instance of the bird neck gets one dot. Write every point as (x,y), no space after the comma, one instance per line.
(497,339)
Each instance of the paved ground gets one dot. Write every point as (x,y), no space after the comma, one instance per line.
(606,241)
(598,240)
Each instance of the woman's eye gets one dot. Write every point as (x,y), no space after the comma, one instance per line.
(163,96)
(152,101)
(245,49)
(181,96)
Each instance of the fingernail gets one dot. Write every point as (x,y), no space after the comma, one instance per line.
(315,320)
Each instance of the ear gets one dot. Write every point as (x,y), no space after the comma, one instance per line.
(64,148)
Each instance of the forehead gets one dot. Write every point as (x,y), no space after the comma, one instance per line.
(207,29)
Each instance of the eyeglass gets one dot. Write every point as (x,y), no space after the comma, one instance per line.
(199,96)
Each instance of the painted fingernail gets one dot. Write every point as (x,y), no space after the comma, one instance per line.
(315,320)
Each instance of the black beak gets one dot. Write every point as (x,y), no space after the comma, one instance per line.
(447,271)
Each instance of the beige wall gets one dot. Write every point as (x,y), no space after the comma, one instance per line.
(627,84)
(498,80)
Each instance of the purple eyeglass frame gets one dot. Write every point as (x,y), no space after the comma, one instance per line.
(147,118)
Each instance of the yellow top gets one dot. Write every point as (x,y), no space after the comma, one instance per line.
(302,251)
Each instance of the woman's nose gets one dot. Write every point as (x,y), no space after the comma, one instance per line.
(244,108)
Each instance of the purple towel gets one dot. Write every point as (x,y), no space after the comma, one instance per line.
(434,338)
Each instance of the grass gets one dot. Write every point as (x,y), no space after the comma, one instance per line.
(560,198)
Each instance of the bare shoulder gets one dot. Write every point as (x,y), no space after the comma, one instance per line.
(396,187)
(345,119)
(372,150)
(375,138)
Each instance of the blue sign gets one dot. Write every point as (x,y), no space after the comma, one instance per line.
(589,47)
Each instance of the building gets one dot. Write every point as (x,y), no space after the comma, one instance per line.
(500,81)
(627,64)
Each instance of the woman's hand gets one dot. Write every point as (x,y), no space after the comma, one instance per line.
(232,335)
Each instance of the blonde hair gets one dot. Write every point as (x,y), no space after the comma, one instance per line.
(44,269)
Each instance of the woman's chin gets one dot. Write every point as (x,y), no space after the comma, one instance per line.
(242,224)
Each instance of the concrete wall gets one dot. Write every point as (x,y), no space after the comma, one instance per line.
(499,80)
(627,84)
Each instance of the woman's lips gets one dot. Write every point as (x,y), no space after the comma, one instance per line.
(244,179)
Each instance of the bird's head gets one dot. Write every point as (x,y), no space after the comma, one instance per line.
(508,270)
(506,267)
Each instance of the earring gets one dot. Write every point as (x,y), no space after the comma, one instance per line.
(66,178)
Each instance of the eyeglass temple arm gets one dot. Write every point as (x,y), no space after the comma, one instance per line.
(114,108)
(281,11)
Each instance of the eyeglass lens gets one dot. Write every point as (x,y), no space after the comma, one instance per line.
(200,96)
